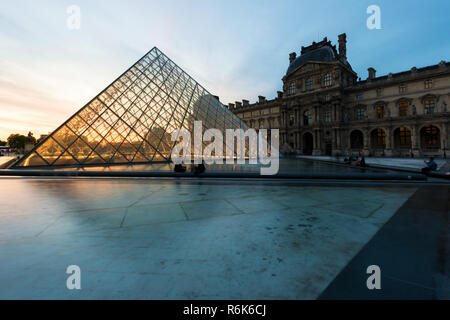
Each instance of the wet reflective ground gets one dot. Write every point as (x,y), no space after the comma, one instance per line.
(140,239)
(286,165)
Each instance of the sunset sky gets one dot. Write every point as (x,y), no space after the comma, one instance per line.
(236,49)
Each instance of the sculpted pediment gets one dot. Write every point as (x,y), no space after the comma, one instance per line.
(310,67)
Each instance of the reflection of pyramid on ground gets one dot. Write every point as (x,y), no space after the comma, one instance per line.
(132,120)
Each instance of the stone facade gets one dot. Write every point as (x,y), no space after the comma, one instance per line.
(325,109)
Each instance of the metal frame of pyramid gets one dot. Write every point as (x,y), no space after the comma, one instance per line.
(132,120)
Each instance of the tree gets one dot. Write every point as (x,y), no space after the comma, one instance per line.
(17,141)
(30,138)
(2,143)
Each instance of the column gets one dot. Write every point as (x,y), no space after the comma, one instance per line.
(444,140)
(317,143)
(415,140)
(389,141)
(366,149)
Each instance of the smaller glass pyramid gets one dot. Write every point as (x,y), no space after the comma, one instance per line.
(133,119)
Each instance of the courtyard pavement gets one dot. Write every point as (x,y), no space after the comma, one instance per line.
(5,159)
(412,164)
(144,239)
(412,251)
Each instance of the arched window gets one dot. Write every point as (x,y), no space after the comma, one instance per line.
(307,118)
(430,137)
(378,139)
(403,109)
(308,143)
(380,111)
(402,137)
(429,106)
(356,139)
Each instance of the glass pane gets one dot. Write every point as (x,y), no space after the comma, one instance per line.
(33,160)
(65,137)
(65,159)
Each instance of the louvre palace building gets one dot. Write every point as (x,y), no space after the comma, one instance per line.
(326,109)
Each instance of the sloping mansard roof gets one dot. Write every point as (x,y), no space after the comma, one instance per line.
(322,54)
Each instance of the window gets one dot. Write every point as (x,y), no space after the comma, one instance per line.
(307,118)
(402,88)
(379,138)
(380,111)
(360,114)
(428,84)
(292,88)
(327,80)
(429,106)
(356,140)
(327,115)
(358,96)
(379,92)
(403,109)
(291,119)
(308,84)
(430,137)
(404,137)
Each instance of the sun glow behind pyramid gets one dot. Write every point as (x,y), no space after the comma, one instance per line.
(133,119)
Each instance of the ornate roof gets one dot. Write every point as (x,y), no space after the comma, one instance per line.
(322,54)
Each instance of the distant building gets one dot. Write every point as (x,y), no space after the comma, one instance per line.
(324,109)
(30,143)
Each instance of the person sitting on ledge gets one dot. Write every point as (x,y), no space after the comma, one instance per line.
(199,169)
(179,168)
(362,163)
(431,166)
(355,162)
(349,159)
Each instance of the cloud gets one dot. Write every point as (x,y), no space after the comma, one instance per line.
(236,49)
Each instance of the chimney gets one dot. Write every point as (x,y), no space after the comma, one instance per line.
(343,45)
(372,73)
(238,104)
(280,94)
(261,99)
(292,57)
(245,103)
(217,97)
(231,106)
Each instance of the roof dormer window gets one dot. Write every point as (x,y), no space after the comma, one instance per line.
(308,84)
(291,88)
(327,80)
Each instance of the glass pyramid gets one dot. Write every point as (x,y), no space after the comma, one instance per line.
(132,120)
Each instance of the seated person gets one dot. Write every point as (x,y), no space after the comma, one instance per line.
(349,159)
(355,162)
(362,163)
(198,169)
(179,168)
(431,166)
